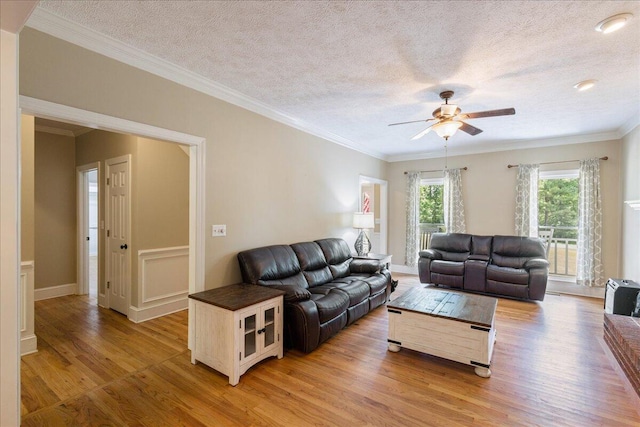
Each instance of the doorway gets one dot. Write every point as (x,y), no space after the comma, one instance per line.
(88,223)
(373,198)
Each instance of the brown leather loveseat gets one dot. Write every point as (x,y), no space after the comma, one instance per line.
(326,289)
(502,265)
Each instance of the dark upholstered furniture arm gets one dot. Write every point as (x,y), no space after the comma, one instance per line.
(536,263)
(431,254)
(537,283)
(369,266)
(294,293)
(479,257)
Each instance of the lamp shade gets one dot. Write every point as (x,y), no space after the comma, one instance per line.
(363,220)
(446,129)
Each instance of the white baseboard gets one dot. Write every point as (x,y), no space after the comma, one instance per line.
(397,268)
(139,315)
(570,288)
(55,291)
(28,345)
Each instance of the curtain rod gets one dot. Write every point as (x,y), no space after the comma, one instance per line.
(436,170)
(553,163)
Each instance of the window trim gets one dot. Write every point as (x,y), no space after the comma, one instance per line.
(431,181)
(559,174)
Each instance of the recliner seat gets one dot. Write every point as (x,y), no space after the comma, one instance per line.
(326,289)
(500,265)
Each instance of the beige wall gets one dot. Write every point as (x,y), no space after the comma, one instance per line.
(55,210)
(159,192)
(631,218)
(161,205)
(489,191)
(268,182)
(27,224)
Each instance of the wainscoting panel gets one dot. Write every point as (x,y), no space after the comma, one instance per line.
(163,282)
(28,339)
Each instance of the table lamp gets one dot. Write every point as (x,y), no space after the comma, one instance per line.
(363,221)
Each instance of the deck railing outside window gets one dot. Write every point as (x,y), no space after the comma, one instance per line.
(562,253)
(425,233)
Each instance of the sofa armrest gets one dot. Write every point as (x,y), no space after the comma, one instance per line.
(536,263)
(479,258)
(368,266)
(293,293)
(431,254)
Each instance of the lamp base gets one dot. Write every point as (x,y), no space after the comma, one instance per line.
(363,244)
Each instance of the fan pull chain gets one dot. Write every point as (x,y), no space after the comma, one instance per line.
(445,153)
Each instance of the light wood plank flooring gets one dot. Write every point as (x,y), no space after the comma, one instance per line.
(550,368)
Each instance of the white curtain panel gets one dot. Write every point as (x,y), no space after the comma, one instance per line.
(589,257)
(413,218)
(453,204)
(527,201)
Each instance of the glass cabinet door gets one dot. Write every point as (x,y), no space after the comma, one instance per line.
(269,327)
(249,335)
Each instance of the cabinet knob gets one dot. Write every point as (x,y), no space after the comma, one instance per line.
(261,331)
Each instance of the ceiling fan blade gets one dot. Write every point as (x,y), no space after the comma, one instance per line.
(471,130)
(421,134)
(413,121)
(490,113)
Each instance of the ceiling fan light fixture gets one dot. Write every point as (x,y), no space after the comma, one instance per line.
(613,23)
(448,110)
(446,129)
(585,85)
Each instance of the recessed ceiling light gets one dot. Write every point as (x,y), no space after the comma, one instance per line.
(613,23)
(585,85)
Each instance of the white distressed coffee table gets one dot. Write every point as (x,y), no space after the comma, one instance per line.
(451,325)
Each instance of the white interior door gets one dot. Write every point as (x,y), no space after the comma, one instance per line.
(88,236)
(118,232)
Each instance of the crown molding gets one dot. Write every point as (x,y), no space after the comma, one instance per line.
(512,145)
(56,26)
(629,125)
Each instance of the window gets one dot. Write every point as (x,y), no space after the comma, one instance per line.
(558,213)
(431,209)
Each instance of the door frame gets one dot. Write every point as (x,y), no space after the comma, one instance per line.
(107,218)
(197,171)
(83,226)
(384,211)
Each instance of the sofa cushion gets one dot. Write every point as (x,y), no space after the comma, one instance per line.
(517,276)
(330,304)
(312,262)
(451,246)
(481,246)
(357,291)
(377,283)
(447,267)
(269,263)
(338,256)
(514,251)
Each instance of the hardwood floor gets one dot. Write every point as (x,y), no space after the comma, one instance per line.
(550,367)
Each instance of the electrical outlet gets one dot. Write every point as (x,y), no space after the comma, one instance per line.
(219,230)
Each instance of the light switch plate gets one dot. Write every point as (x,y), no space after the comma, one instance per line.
(219,230)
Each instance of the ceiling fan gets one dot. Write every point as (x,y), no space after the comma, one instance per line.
(448,119)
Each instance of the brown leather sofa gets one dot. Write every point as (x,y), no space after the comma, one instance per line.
(501,265)
(326,289)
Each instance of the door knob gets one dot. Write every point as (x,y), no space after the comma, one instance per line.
(123,246)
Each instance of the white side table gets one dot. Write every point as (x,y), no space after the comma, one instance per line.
(236,327)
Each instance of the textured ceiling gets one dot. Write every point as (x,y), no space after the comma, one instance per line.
(351,68)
